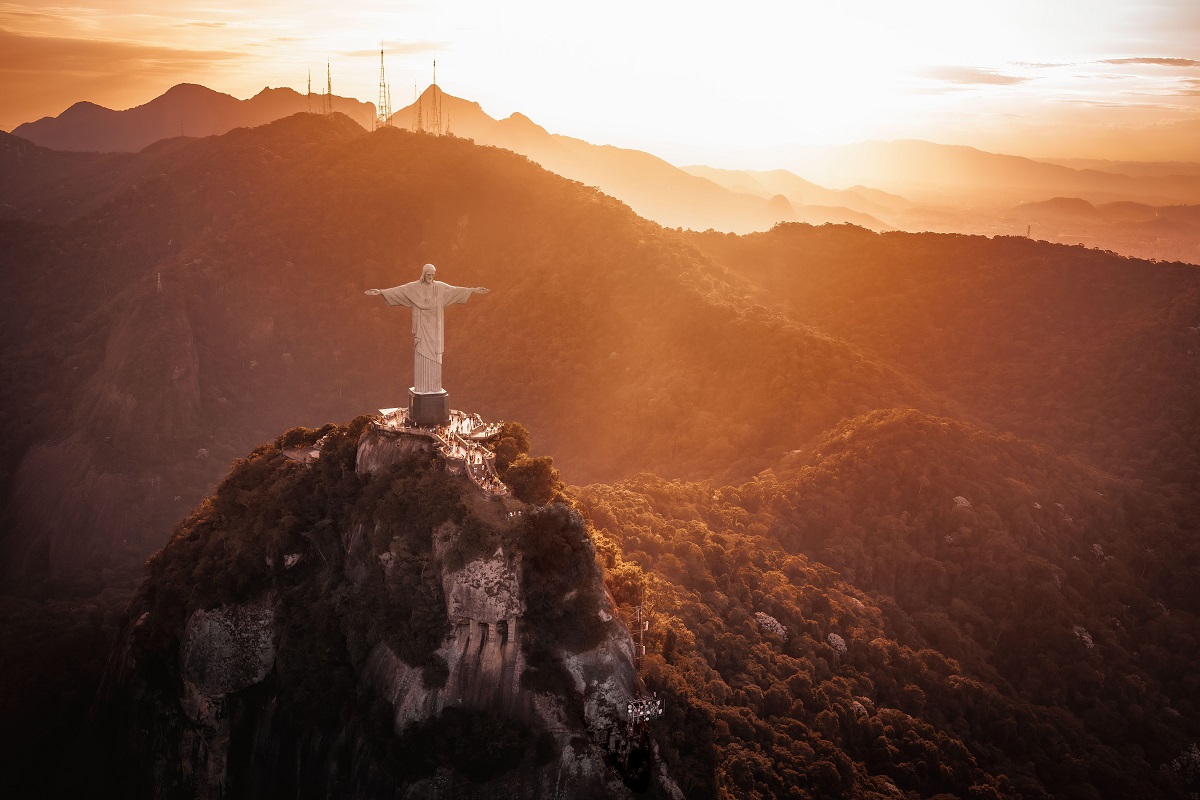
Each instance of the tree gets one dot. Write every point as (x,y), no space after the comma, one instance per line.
(533,480)
(513,443)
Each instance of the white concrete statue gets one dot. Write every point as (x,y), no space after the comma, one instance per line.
(427,298)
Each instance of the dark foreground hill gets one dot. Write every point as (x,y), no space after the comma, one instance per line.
(154,338)
(920,609)
(365,624)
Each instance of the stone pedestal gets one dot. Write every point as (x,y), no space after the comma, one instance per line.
(428,409)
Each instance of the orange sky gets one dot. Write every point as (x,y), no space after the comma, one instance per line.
(691,81)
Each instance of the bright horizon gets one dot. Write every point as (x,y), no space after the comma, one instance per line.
(692,82)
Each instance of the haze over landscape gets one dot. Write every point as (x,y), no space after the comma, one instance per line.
(852,345)
(690,82)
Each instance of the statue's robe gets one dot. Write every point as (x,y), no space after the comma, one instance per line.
(428,302)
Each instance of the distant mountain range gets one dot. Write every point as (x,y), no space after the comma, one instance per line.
(933,173)
(184,110)
(918,186)
(1169,232)
(651,186)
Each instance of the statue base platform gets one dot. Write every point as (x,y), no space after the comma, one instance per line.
(428,409)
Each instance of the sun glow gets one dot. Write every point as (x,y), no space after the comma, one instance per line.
(680,78)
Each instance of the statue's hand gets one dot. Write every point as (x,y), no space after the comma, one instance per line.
(373,292)
(481,290)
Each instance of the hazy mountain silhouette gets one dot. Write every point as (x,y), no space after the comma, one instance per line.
(855,207)
(1165,232)
(651,186)
(957,188)
(1163,168)
(1154,231)
(927,172)
(184,110)
(1062,208)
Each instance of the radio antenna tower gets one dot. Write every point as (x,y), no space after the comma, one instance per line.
(310,90)
(383,112)
(418,121)
(437,103)
(328,89)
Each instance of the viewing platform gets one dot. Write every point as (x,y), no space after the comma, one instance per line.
(461,443)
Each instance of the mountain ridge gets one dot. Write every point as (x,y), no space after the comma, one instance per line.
(928,171)
(184,109)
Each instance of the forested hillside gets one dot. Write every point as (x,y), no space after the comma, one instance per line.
(1089,353)
(221,300)
(962,614)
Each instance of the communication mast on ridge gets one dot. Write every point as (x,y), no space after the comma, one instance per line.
(328,109)
(418,122)
(310,90)
(383,112)
(436,96)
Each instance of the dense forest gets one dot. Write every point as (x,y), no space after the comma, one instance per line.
(915,513)
(1090,354)
(964,613)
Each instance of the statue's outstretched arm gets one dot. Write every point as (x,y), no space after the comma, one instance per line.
(480,290)
(373,292)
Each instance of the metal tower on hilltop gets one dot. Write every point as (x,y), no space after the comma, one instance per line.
(418,121)
(310,90)
(383,112)
(328,105)
(437,103)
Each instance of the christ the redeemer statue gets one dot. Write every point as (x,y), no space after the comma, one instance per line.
(428,298)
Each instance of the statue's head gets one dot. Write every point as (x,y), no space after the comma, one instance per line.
(427,273)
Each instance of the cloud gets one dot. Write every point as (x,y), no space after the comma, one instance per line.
(972,76)
(53,54)
(398,48)
(1158,62)
(1189,87)
(1078,101)
(1043,64)
(42,75)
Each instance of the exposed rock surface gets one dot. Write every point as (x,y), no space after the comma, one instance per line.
(377,450)
(229,648)
(386,646)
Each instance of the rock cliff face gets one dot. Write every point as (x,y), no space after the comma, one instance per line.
(314,630)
